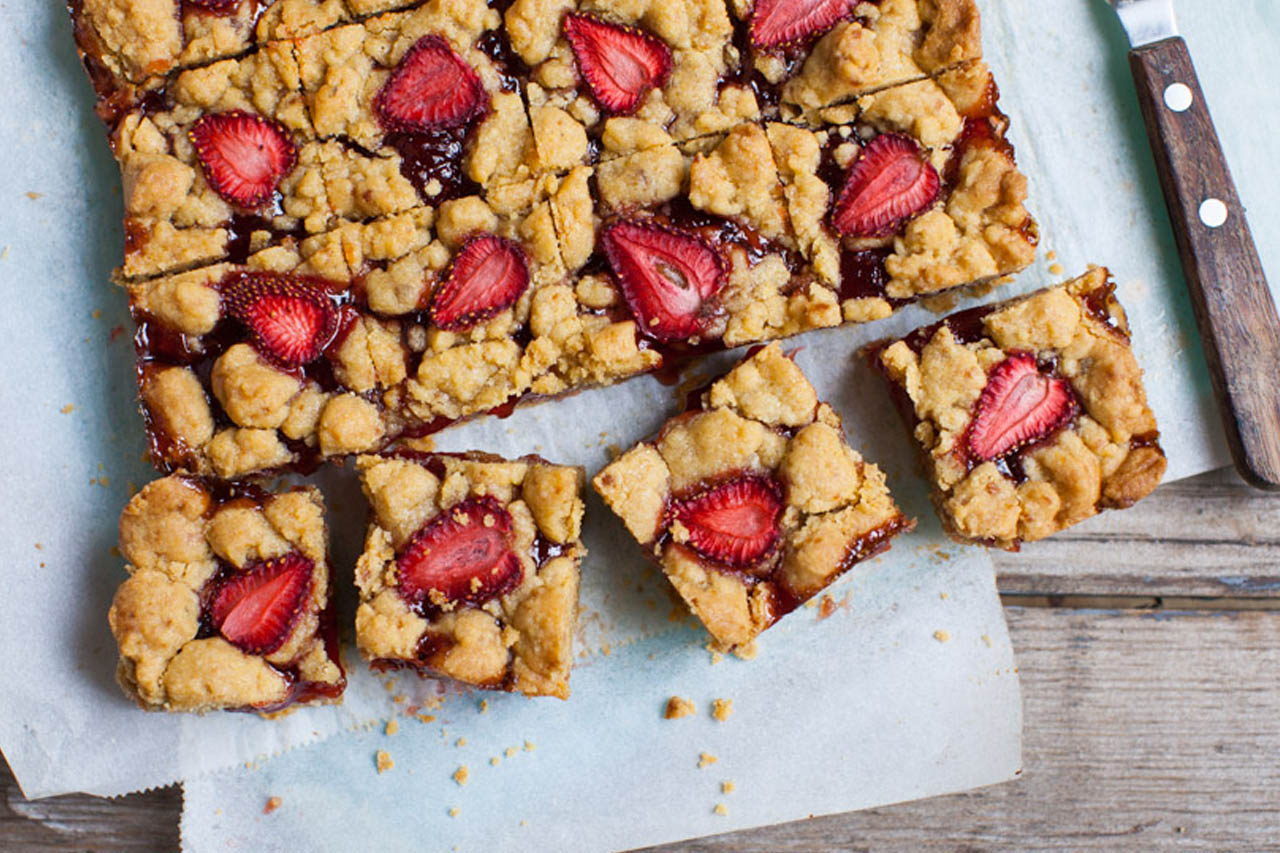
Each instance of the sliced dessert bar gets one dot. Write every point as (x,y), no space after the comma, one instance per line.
(1030,414)
(470,568)
(229,601)
(752,501)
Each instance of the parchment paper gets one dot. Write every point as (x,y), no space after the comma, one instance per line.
(63,724)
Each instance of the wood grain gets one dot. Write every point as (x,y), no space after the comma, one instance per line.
(1143,731)
(1229,292)
(1210,535)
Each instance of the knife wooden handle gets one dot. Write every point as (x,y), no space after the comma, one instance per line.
(1229,292)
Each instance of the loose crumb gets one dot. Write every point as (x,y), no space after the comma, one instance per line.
(677,707)
(1056,269)
(484,706)
(828,607)
(462,774)
(392,727)
(495,761)
(511,751)
(384,761)
(721,809)
(273,803)
(705,760)
(747,651)
(727,786)
(453,812)
(34,196)
(96,313)
(941,636)
(721,709)
(606,650)
(987,640)
(68,408)
(530,746)
(943,596)
(461,742)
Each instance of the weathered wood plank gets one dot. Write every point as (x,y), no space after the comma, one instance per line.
(1143,729)
(79,822)
(1207,536)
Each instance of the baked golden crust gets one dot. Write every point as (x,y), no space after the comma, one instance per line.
(761,419)
(521,640)
(179,540)
(1108,456)
(718,151)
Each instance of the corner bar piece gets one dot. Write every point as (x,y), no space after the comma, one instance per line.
(229,601)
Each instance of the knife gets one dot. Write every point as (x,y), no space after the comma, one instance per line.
(1229,293)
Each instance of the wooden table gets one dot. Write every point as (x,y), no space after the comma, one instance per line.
(1148,643)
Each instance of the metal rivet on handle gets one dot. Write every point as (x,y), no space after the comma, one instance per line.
(1178,97)
(1213,212)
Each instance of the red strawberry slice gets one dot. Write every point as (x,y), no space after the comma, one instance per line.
(255,609)
(243,156)
(489,274)
(1020,405)
(463,555)
(777,22)
(735,523)
(891,182)
(432,87)
(620,64)
(666,276)
(291,319)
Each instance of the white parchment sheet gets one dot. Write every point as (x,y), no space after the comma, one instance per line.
(823,691)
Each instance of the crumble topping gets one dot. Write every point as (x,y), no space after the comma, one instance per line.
(521,639)
(759,424)
(1106,456)
(182,546)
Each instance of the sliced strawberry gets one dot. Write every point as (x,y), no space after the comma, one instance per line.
(891,182)
(777,22)
(255,609)
(1020,405)
(620,64)
(463,555)
(291,320)
(243,156)
(666,276)
(734,523)
(432,87)
(489,274)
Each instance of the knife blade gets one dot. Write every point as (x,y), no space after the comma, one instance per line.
(1229,293)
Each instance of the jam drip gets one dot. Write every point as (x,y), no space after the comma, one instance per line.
(432,160)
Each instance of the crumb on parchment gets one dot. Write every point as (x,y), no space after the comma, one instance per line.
(511,751)
(721,809)
(384,761)
(460,742)
(727,786)
(677,707)
(453,812)
(721,709)
(941,636)
(392,727)
(530,746)
(705,760)
(495,761)
(462,774)
(273,803)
